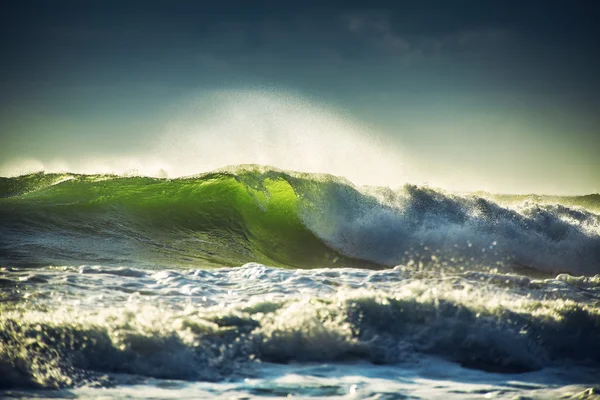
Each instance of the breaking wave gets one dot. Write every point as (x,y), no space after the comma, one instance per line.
(250,213)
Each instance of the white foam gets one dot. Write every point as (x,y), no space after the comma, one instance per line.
(440,229)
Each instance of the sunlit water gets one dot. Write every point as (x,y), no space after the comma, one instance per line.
(254,331)
(137,287)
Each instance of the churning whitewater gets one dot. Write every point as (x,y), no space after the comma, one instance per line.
(255,282)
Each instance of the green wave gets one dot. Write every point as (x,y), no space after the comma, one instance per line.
(288,219)
(219,218)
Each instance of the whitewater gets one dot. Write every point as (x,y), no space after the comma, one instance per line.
(255,282)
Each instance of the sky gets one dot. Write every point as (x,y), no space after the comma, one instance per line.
(501,96)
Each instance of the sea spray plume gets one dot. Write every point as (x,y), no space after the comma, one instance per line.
(279,129)
(246,126)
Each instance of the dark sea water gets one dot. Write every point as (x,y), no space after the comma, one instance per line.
(258,283)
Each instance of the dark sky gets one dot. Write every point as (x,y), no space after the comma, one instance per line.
(499,95)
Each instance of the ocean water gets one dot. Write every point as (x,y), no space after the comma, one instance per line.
(251,282)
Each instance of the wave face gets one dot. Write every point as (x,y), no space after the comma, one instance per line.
(249,213)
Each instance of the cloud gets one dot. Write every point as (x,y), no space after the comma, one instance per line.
(384,35)
(379,29)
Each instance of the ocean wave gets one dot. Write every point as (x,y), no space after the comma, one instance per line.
(251,213)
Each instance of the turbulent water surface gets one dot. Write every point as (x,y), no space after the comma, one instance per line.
(252,282)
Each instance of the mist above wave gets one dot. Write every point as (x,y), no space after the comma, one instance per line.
(255,126)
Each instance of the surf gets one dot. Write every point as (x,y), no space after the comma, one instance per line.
(68,326)
(252,213)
